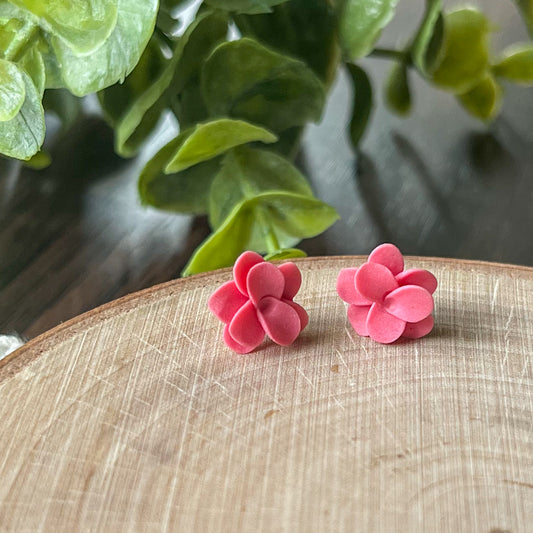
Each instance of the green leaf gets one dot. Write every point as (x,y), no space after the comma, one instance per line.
(290,216)
(214,138)
(82,25)
(516,64)
(116,57)
(484,100)
(64,105)
(397,93)
(12,90)
(22,136)
(247,172)
(362,102)
(183,192)
(465,58)
(361,22)
(245,6)
(427,48)
(288,253)
(40,160)
(32,62)
(193,46)
(526,9)
(244,79)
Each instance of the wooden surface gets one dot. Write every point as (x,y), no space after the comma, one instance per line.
(438,183)
(135,417)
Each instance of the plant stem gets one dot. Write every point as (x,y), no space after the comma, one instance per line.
(390,53)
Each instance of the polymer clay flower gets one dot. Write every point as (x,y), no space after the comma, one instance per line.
(386,301)
(259,301)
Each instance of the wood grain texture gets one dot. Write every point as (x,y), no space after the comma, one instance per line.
(135,417)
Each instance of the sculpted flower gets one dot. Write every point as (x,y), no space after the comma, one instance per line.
(259,301)
(386,301)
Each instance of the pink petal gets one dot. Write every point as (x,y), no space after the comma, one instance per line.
(242,266)
(234,345)
(280,321)
(418,329)
(382,326)
(357,316)
(293,279)
(389,256)
(302,313)
(418,276)
(410,303)
(346,288)
(245,327)
(264,279)
(374,281)
(226,301)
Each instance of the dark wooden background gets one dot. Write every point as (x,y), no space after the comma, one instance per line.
(438,183)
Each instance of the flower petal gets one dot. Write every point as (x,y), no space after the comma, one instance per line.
(410,303)
(293,279)
(357,316)
(234,345)
(389,256)
(346,288)
(373,281)
(418,276)
(280,321)
(242,266)
(226,301)
(264,279)
(302,313)
(245,327)
(415,330)
(382,326)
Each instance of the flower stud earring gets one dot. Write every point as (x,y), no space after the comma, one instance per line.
(259,301)
(386,301)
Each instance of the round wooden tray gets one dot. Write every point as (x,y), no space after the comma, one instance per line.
(136,416)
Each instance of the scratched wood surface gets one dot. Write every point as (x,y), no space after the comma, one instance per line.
(135,417)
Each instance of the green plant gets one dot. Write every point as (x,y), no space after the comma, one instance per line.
(241,104)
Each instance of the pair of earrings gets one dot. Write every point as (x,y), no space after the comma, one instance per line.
(385,301)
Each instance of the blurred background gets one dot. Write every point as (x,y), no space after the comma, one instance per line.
(438,183)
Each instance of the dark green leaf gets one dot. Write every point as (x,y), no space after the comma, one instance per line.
(12,90)
(247,172)
(214,138)
(361,22)
(183,192)
(64,105)
(245,6)
(483,101)
(516,64)
(397,93)
(427,47)
(526,9)
(362,103)
(22,136)
(288,253)
(465,57)
(244,79)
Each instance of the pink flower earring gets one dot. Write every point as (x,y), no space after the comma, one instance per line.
(386,301)
(259,301)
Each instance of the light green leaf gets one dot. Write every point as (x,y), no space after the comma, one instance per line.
(288,253)
(32,62)
(397,93)
(214,138)
(244,79)
(22,136)
(193,46)
(526,9)
(516,64)
(247,172)
(484,100)
(361,22)
(245,6)
(116,57)
(12,90)
(291,217)
(183,192)
(465,58)
(82,25)
(362,102)
(427,48)
(40,160)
